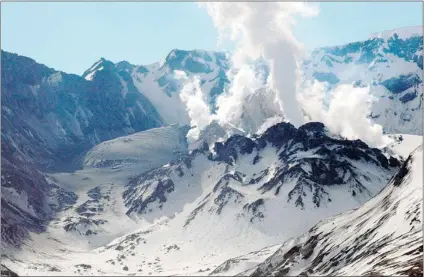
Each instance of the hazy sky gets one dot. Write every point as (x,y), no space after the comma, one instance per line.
(71,36)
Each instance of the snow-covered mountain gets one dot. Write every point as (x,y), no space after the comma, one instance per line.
(306,158)
(28,201)
(402,33)
(194,212)
(160,85)
(143,202)
(49,119)
(169,143)
(382,237)
(391,62)
(52,117)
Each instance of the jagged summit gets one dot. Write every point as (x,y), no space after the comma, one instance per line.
(305,157)
(125,65)
(390,63)
(402,33)
(383,237)
(101,64)
(387,65)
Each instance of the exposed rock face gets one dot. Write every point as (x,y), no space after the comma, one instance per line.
(362,241)
(29,200)
(5,271)
(53,117)
(49,119)
(306,156)
(390,63)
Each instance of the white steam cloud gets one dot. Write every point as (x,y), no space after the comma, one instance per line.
(251,104)
(346,112)
(269,122)
(198,111)
(262,30)
(231,105)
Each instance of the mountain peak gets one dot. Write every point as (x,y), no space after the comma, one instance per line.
(124,65)
(402,33)
(101,64)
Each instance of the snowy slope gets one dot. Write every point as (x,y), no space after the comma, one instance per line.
(147,149)
(49,120)
(190,215)
(242,263)
(67,114)
(157,82)
(384,235)
(391,62)
(403,33)
(28,199)
(403,144)
(51,117)
(5,271)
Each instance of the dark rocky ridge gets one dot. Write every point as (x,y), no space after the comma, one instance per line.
(49,119)
(308,136)
(52,117)
(20,176)
(332,163)
(328,167)
(321,252)
(5,271)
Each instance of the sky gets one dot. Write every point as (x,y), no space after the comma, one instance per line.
(71,36)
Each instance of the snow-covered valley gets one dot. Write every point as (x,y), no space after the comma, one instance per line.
(189,216)
(99,177)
